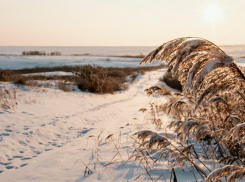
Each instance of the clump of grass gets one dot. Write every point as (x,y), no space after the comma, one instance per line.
(65,86)
(8,98)
(11,76)
(21,80)
(158,91)
(6,75)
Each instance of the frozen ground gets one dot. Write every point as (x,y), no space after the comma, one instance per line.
(58,73)
(42,140)
(20,62)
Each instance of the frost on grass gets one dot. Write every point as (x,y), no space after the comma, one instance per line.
(196,62)
(209,119)
(237,172)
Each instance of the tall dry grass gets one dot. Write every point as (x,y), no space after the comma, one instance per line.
(95,79)
(209,120)
(8,98)
(89,78)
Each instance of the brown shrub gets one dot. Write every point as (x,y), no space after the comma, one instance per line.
(171,81)
(89,78)
(6,75)
(117,74)
(95,79)
(65,86)
(21,80)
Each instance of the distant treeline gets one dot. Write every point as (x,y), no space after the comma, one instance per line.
(40,53)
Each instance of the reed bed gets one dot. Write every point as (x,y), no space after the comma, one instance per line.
(208,119)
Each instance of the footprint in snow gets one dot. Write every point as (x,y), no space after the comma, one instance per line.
(22,143)
(22,165)
(27,113)
(8,130)
(37,152)
(17,156)
(4,134)
(80,133)
(26,158)
(9,167)
(5,163)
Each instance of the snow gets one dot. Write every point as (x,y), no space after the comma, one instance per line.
(20,62)
(129,77)
(53,73)
(43,139)
(240,62)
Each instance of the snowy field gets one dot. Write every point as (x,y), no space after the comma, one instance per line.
(51,134)
(40,140)
(19,62)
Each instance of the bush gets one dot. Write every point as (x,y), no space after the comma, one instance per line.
(34,53)
(6,75)
(171,81)
(55,54)
(88,78)
(117,74)
(40,53)
(95,79)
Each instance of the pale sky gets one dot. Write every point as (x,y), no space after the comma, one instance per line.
(119,22)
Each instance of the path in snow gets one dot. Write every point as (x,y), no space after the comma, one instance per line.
(39,141)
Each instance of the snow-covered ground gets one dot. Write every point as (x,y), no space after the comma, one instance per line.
(240,62)
(53,73)
(42,140)
(44,137)
(19,62)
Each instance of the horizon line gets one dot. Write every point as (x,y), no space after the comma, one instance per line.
(102,46)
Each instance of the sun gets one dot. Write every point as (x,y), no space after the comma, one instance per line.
(212,14)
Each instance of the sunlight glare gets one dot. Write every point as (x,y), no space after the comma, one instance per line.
(212,14)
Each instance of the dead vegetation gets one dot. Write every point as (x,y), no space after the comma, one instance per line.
(88,78)
(209,120)
(40,53)
(8,98)
(110,70)
(96,80)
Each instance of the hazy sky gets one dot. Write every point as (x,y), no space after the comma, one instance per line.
(119,22)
